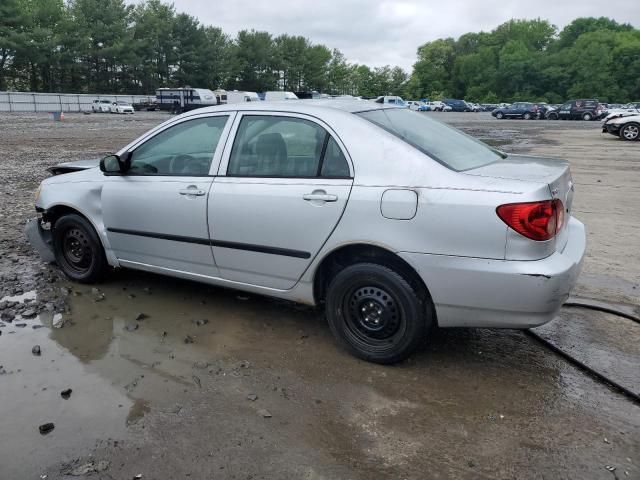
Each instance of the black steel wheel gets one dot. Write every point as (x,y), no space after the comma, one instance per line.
(78,249)
(376,314)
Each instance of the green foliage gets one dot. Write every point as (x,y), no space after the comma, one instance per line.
(109,46)
(528,60)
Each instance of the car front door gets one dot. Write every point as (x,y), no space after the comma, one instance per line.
(155,214)
(282,187)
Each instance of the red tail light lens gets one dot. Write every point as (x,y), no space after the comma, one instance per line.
(535,220)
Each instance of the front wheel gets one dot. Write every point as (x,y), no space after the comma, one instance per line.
(376,314)
(527,116)
(499,115)
(587,116)
(631,131)
(78,249)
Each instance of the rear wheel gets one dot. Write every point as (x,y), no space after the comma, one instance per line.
(631,131)
(527,116)
(376,314)
(587,116)
(78,249)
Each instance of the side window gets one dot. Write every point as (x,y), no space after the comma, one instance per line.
(268,146)
(185,149)
(334,164)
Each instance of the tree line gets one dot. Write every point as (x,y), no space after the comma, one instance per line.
(107,46)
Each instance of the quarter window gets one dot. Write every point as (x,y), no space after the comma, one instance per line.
(274,146)
(185,149)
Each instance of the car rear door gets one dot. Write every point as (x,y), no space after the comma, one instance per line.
(155,214)
(283,184)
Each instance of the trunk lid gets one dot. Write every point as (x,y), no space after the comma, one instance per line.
(552,172)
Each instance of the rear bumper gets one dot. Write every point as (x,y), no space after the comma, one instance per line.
(474,292)
(40,240)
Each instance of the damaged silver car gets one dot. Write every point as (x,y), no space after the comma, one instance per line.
(393,221)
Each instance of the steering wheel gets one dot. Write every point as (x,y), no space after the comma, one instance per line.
(180,163)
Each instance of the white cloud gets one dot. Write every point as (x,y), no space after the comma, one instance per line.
(381,32)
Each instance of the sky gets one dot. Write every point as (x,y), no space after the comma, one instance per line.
(388,32)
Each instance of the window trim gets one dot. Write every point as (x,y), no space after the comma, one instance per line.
(223,168)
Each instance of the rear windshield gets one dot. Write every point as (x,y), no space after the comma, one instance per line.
(447,145)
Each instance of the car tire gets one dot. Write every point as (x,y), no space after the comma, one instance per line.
(587,116)
(78,249)
(499,115)
(630,132)
(376,314)
(527,116)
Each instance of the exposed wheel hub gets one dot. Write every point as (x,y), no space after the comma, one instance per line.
(76,249)
(373,312)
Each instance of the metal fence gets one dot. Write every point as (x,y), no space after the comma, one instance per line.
(58,102)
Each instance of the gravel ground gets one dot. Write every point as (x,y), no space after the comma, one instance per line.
(212,383)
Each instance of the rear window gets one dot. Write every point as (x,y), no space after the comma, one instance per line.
(448,146)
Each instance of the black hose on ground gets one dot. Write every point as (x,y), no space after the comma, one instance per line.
(633,396)
(602,308)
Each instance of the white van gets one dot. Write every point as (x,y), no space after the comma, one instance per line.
(392,100)
(240,97)
(273,96)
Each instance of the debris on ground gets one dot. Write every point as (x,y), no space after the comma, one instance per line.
(30,313)
(46,428)
(196,380)
(36,350)
(252,396)
(141,316)
(132,327)
(264,413)
(66,393)
(188,339)
(200,322)
(87,468)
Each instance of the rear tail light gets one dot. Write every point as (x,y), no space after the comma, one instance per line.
(535,220)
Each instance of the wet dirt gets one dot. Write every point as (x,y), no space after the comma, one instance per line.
(473,404)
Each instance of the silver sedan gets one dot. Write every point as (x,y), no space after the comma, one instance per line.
(392,221)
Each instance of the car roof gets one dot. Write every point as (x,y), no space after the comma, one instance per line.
(310,106)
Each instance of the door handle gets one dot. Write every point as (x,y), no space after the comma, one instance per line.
(193,190)
(320,196)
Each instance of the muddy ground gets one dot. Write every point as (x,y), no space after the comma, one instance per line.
(217,384)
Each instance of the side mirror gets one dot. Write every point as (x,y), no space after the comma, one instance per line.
(115,165)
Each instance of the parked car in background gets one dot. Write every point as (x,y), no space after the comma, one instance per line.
(633,108)
(330,202)
(149,104)
(457,105)
(624,125)
(489,107)
(438,106)
(418,106)
(391,100)
(121,107)
(475,107)
(101,106)
(584,109)
(526,110)
(278,95)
